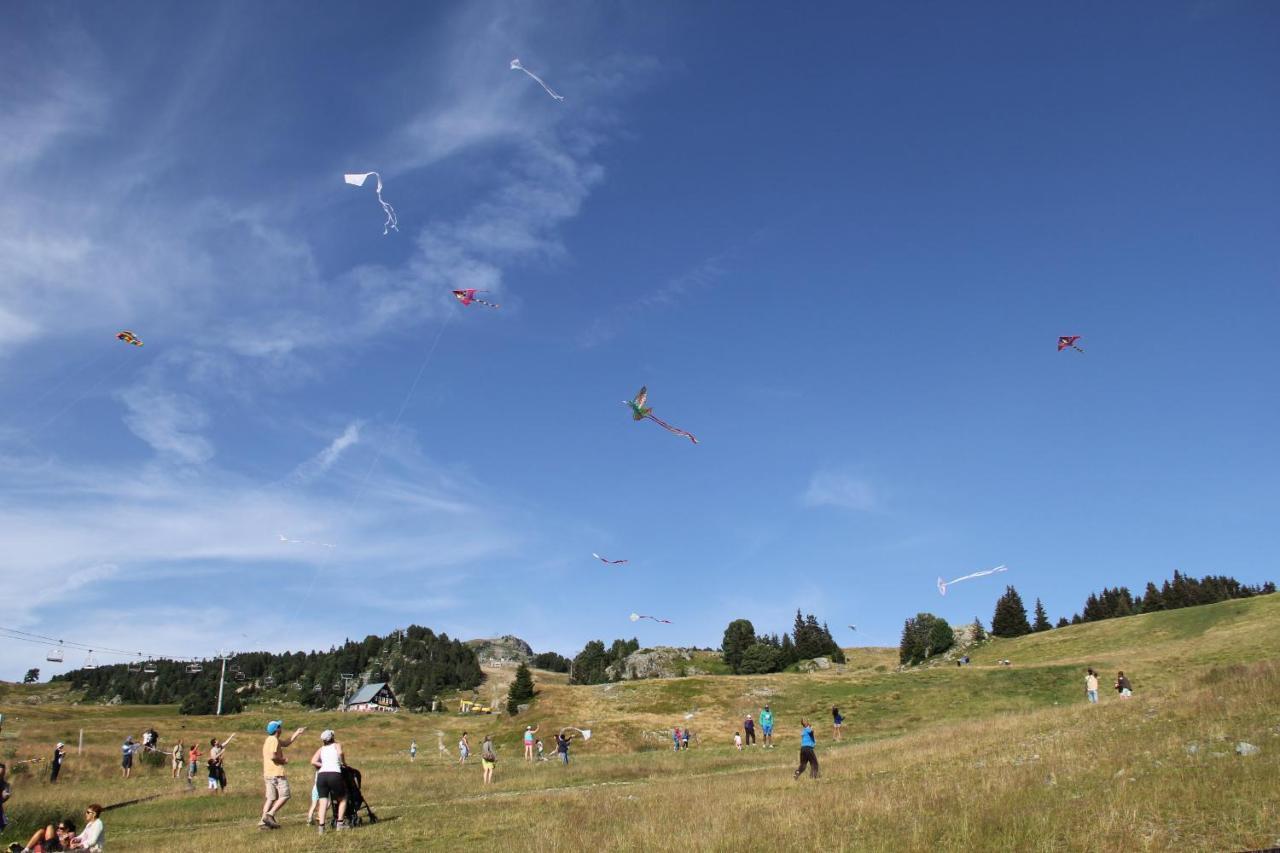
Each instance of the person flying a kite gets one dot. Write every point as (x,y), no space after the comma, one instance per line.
(129,338)
(466,297)
(1065,341)
(605,560)
(639,412)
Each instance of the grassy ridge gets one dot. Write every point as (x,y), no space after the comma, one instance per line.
(983,758)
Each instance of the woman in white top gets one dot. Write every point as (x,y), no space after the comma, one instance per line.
(94,837)
(330,785)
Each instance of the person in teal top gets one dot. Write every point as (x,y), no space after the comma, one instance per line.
(766,727)
(807,755)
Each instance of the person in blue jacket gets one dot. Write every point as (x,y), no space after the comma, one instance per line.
(766,728)
(807,755)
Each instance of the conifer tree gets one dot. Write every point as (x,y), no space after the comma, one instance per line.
(1010,618)
(1042,619)
(1062,622)
(521,690)
(738,637)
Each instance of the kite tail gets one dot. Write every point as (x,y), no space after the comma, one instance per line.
(542,84)
(490,304)
(392,223)
(1076,348)
(669,428)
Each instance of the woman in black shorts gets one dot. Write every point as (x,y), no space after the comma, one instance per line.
(328,762)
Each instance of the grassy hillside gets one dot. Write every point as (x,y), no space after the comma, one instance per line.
(982,758)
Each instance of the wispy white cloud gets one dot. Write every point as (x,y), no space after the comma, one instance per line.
(831,488)
(325,459)
(168,421)
(701,276)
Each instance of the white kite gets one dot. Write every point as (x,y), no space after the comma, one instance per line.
(358,181)
(284,538)
(607,560)
(942,585)
(516,66)
(586,733)
(636,617)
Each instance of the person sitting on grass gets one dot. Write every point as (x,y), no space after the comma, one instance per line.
(52,838)
(94,836)
(1123,687)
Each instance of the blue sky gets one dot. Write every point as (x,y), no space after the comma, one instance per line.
(838,246)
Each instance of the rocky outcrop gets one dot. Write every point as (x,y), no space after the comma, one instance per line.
(502,650)
(661,662)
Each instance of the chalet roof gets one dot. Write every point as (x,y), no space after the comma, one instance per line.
(366,693)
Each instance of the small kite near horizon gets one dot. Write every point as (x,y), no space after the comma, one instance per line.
(636,617)
(853,627)
(942,585)
(466,297)
(605,560)
(129,338)
(1065,341)
(516,66)
(284,538)
(358,179)
(640,412)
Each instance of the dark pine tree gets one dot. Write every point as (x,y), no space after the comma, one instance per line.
(1062,622)
(1042,622)
(738,637)
(1010,618)
(521,689)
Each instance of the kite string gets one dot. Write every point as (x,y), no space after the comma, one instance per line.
(377,456)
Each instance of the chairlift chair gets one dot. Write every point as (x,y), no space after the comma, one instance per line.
(55,653)
(317,689)
(268,681)
(194,667)
(90,662)
(149,668)
(134,666)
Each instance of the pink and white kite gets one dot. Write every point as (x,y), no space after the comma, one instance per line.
(358,180)
(610,562)
(516,66)
(942,585)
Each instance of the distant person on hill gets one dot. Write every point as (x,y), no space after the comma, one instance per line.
(836,722)
(178,758)
(749,729)
(562,746)
(273,772)
(413,750)
(55,766)
(488,759)
(126,756)
(330,785)
(807,755)
(529,738)
(94,836)
(737,741)
(538,745)
(464,749)
(1123,687)
(193,764)
(766,727)
(1091,685)
(684,738)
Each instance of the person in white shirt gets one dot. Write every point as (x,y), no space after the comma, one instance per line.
(94,837)
(330,785)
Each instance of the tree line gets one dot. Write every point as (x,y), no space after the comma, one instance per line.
(418,663)
(748,653)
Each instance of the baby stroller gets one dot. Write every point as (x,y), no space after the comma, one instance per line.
(355,798)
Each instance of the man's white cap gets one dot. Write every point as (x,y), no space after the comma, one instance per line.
(61,744)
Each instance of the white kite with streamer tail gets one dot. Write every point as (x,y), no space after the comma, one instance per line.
(636,617)
(942,585)
(357,180)
(586,733)
(516,66)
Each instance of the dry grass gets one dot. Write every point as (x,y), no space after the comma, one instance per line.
(958,761)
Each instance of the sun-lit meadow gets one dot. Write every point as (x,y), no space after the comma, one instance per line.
(985,757)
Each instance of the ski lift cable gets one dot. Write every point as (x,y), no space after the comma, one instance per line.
(44,640)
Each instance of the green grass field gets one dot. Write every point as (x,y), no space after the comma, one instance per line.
(984,757)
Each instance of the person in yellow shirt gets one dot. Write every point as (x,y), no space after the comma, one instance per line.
(273,762)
